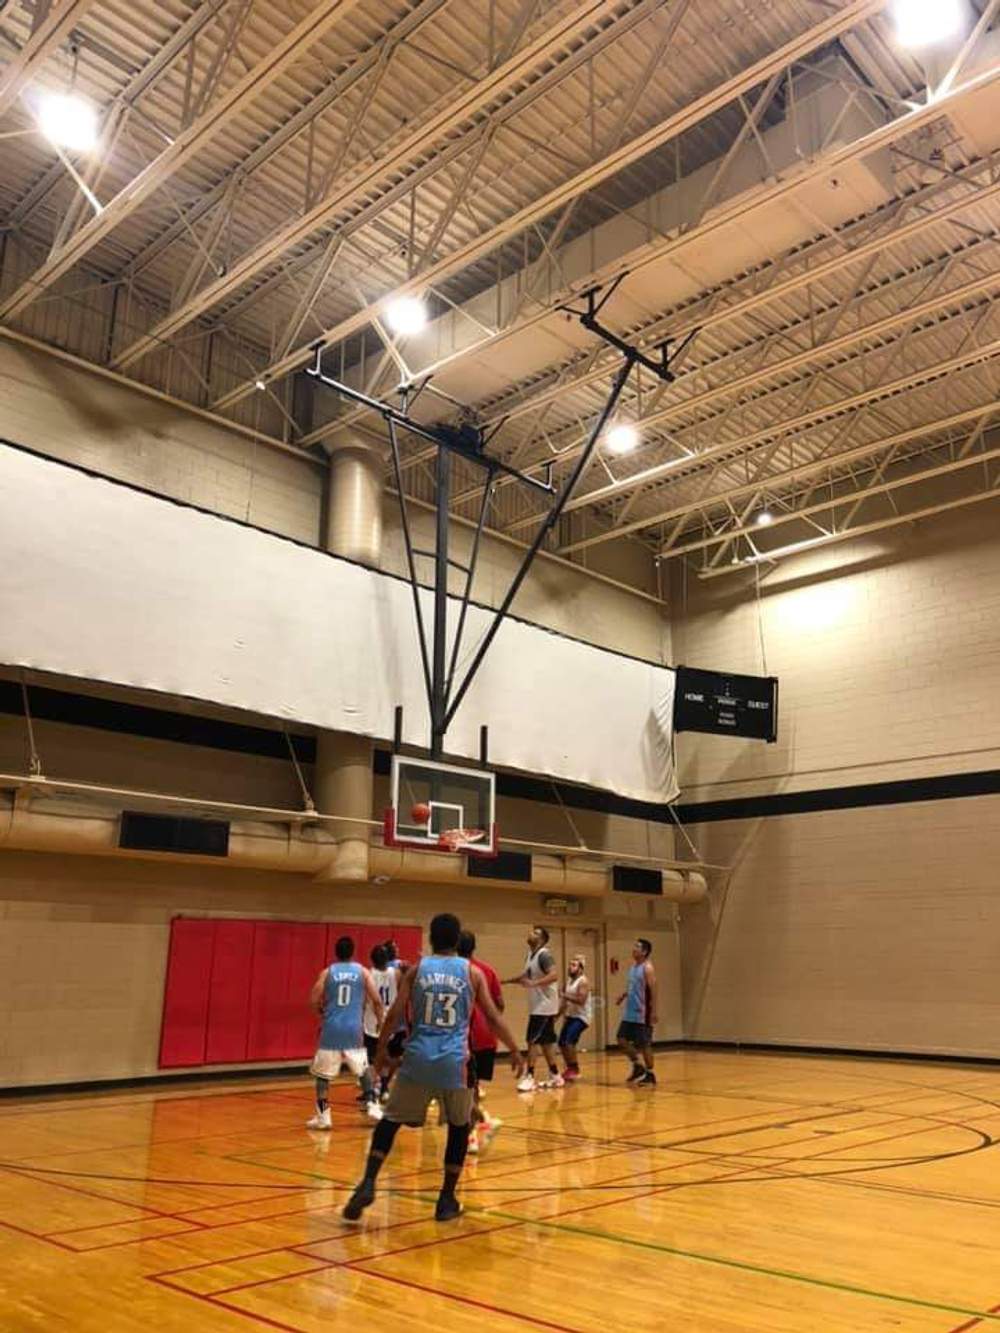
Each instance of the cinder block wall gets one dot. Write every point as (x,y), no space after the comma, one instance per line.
(875,927)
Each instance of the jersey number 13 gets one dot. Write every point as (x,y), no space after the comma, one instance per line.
(439,1009)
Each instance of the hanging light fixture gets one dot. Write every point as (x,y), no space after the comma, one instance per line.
(406,316)
(922,23)
(67,121)
(622,438)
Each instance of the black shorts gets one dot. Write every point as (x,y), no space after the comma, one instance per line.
(481,1065)
(639,1034)
(542,1030)
(394,1046)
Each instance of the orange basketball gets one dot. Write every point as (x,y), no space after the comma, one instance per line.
(420,813)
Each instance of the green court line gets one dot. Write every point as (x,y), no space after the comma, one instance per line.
(788,1275)
(830,1284)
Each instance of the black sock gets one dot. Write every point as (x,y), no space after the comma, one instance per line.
(382,1140)
(322,1088)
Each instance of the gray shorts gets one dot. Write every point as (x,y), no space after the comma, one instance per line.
(408,1102)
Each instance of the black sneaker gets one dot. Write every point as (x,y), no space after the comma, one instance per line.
(448,1208)
(648,1080)
(362,1198)
(637,1074)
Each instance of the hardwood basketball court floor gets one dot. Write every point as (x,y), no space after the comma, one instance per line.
(747,1192)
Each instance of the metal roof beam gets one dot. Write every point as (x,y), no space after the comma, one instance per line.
(294,126)
(850,14)
(187,145)
(45,40)
(977,417)
(429,132)
(991,491)
(146,77)
(927,375)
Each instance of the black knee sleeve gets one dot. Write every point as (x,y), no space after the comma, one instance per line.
(457,1145)
(384,1136)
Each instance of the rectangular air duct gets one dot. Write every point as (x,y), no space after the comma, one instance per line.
(170,833)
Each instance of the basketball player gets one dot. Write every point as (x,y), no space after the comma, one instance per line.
(635,1032)
(440,993)
(338,995)
(542,982)
(386,981)
(394,962)
(482,1047)
(578,1010)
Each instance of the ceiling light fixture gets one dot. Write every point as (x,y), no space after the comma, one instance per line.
(68,122)
(622,438)
(765,518)
(921,23)
(406,316)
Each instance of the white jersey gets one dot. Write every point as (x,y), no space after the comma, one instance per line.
(386,983)
(575,1008)
(542,1000)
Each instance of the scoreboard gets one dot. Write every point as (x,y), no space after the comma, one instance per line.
(724,704)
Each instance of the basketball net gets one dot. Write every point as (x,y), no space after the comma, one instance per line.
(454,839)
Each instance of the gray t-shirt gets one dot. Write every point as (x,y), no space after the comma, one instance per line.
(542,999)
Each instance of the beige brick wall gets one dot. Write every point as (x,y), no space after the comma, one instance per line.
(82,418)
(870,928)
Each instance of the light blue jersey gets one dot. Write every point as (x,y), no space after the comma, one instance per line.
(437,1050)
(637,996)
(343,1008)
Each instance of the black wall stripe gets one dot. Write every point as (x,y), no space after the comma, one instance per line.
(946,787)
(189,729)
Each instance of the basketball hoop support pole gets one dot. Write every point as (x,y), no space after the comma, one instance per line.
(439,674)
(551,519)
(439,684)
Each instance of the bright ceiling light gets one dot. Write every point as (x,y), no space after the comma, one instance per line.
(68,122)
(406,316)
(922,23)
(765,518)
(622,438)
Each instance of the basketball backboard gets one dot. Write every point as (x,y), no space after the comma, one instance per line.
(441,807)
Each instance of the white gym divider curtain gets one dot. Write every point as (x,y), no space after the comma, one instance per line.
(105,583)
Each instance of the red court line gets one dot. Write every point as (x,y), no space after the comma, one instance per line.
(466,1300)
(296,1247)
(245,1286)
(231,1309)
(979,1319)
(103,1198)
(324,1264)
(35,1235)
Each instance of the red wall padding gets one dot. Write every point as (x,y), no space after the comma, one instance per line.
(308,956)
(229,996)
(272,946)
(238,991)
(185,1004)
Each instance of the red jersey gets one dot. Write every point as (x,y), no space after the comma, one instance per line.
(481,1036)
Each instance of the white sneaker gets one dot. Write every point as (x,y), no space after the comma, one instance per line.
(556,1081)
(488,1133)
(473,1147)
(321,1120)
(527,1084)
(373,1111)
